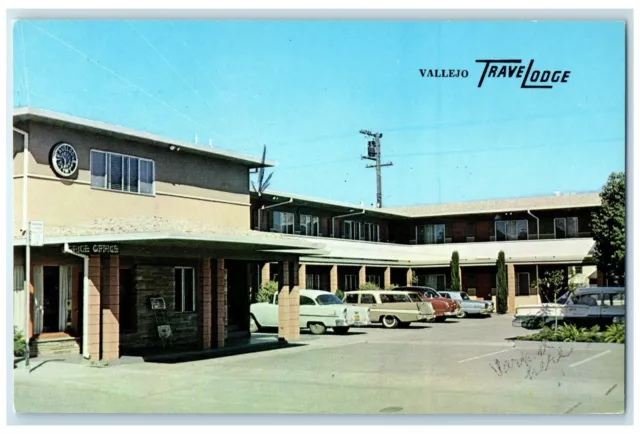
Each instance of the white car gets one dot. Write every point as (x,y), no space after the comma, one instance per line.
(585,307)
(319,310)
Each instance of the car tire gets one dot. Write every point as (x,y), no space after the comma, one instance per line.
(254,327)
(461,314)
(341,330)
(390,322)
(317,328)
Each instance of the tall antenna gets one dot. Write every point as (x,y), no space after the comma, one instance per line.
(374,153)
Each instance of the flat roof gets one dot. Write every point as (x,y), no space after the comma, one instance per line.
(69,121)
(492,206)
(573,200)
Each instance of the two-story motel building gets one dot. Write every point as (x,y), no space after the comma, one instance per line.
(142,232)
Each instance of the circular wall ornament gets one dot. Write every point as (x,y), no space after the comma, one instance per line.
(64,160)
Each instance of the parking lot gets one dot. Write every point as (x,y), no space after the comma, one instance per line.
(461,366)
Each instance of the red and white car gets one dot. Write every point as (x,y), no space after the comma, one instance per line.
(443,306)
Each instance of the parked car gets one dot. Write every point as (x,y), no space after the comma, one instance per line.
(443,306)
(392,308)
(468,306)
(319,310)
(584,307)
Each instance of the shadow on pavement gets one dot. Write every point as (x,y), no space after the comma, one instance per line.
(194,356)
(44,363)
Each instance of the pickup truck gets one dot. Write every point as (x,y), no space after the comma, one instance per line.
(319,310)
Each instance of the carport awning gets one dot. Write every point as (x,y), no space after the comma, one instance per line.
(257,243)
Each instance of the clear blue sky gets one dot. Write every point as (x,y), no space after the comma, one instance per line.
(305,89)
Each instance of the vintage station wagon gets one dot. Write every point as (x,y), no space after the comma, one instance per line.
(392,308)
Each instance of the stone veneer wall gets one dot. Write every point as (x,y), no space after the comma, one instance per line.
(158,281)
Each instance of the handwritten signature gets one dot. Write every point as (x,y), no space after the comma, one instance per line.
(535,364)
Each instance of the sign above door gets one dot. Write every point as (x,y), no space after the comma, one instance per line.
(91,248)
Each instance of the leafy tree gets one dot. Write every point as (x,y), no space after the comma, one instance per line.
(266,291)
(501,298)
(414,278)
(455,271)
(608,230)
(553,285)
(369,286)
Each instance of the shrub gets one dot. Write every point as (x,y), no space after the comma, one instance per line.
(615,333)
(391,286)
(266,291)
(502,284)
(368,286)
(455,271)
(339,294)
(414,278)
(19,343)
(569,333)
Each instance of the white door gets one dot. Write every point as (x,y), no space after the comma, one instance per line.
(64,310)
(19,298)
(38,298)
(270,314)
(308,310)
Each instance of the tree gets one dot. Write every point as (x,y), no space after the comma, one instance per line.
(554,285)
(261,187)
(501,297)
(455,271)
(608,230)
(266,291)
(414,278)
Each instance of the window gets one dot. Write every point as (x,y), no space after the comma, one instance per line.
(313,281)
(309,225)
(415,297)
(585,299)
(436,281)
(375,279)
(351,298)
(283,222)
(306,301)
(431,234)
(445,295)
(523,284)
(566,227)
(326,299)
(399,298)
(613,299)
(350,282)
(367,299)
(353,230)
(372,232)
(118,172)
(510,230)
(185,289)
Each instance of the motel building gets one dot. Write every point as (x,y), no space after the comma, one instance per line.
(146,236)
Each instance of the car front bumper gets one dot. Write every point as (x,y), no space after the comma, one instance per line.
(452,314)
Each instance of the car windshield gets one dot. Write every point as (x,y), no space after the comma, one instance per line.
(464,296)
(325,299)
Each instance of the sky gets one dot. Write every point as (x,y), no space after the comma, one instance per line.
(306,89)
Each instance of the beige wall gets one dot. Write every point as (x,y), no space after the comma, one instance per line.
(187,186)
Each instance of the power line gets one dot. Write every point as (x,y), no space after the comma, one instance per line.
(172,68)
(120,77)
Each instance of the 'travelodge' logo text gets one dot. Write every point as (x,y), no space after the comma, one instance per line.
(531,78)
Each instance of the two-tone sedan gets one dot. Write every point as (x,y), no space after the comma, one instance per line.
(467,305)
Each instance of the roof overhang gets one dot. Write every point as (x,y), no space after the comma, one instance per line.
(262,244)
(28,114)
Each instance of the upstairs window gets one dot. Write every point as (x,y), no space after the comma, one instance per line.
(372,232)
(283,222)
(117,172)
(566,227)
(511,230)
(430,234)
(309,225)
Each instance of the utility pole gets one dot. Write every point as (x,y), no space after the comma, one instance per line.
(374,154)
